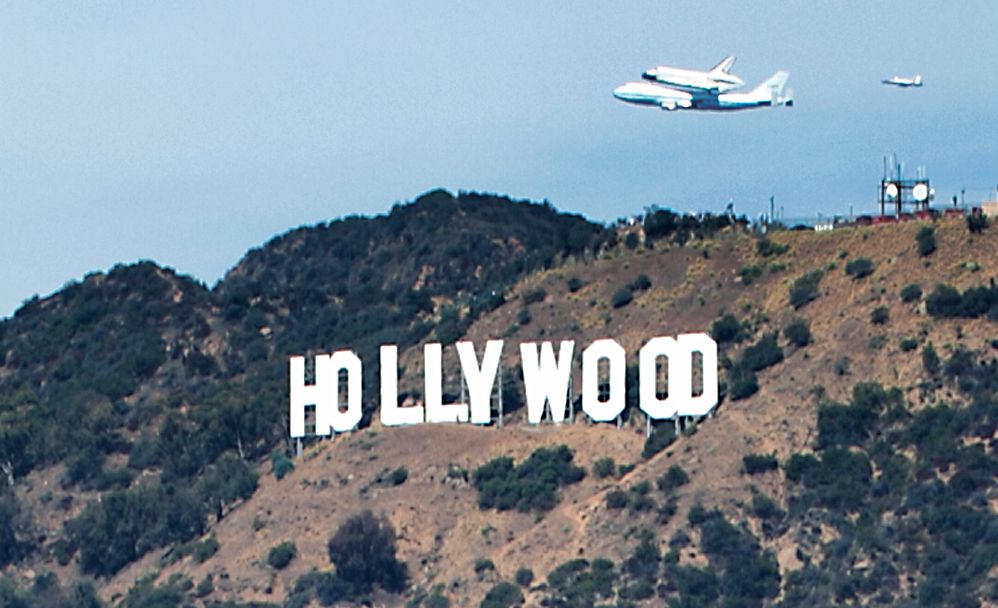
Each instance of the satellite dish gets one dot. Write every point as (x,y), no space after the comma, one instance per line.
(891,191)
(920,192)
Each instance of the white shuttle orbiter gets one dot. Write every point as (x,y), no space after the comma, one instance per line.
(717,80)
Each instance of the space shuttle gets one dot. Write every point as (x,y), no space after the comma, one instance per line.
(718,79)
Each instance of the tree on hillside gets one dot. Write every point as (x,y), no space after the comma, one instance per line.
(363,551)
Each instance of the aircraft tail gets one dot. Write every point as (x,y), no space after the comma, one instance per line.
(725,65)
(774,89)
(918,80)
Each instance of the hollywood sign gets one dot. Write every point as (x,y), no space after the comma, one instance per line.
(547,379)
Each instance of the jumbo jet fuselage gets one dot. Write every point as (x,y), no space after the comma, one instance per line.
(903,82)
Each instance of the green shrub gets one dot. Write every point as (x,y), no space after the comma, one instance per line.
(617,499)
(911,292)
(484,564)
(15,525)
(805,288)
(604,467)
(764,353)
(574,284)
(326,587)
(534,296)
(281,464)
(503,595)
(759,463)
(749,273)
(798,332)
(531,486)
(674,478)
(579,583)
(524,576)
(641,283)
(661,437)
(908,344)
(880,315)
(281,555)
(767,248)
(698,514)
(947,301)
(523,317)
(764,507)
(840,479)
(622,297)
(930,360)
(743,386)
(205,587)
(639,590)
(859,268)
(977,223)
(204,550)
(926,240)
(124,524)
(727,329)
(436,600)
(844,424)
(363,551)
(398,476)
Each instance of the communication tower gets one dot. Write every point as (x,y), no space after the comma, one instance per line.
(901,193)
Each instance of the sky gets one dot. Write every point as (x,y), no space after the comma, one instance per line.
(188,133)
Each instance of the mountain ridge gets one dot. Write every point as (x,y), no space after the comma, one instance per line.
(802,414)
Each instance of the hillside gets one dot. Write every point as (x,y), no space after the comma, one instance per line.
(871,463)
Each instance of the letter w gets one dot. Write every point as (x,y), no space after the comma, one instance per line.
(545,379)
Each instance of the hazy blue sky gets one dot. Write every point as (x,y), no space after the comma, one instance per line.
(189,134)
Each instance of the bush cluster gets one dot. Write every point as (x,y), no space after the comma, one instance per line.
(911,292)
(759,463)
(622,297)
(860,268)
(727,329)
(530,486)
(926,240)
(805,288)
(661,437)
(363,551)
(281,555)
(767,248)
(947,302)
(798,332)
(667,225)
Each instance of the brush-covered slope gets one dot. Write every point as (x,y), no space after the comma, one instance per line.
(141,386)
(851,462)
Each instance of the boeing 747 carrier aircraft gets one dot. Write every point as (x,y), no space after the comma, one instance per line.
(772,92)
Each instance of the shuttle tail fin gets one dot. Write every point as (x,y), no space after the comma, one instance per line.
(725,65)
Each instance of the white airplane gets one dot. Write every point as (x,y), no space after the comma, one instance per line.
(772,92)
(901,81)
(716,80)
